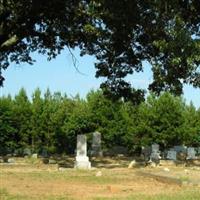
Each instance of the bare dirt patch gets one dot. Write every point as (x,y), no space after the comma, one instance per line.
(76,184)
(39,181)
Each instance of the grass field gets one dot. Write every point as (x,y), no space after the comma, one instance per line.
(36,182)
(31,179)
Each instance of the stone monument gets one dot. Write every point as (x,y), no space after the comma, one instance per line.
(96,144)
(82,160)
(180,149)
(146,152)
(155,153)
(198,151)
(191,153)
(171,155)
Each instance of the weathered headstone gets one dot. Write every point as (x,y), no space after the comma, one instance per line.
(171,155)
(180,149)
(198,151)
(96,144)
(52,161)
(191,153)
(34,155)
(44,153)
(146,152)
(155,147)
(82,160)
(27,152)
(11,160)
(155,153)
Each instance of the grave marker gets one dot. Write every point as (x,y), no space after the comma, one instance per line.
(82,160)
(171,155)
(96,144)
(191,153)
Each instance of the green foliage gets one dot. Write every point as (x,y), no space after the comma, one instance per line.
(52,122)
(120,34)
(191,126)
(23,112)
(7,125)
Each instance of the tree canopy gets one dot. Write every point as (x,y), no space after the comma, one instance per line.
(120,34)
(51,122)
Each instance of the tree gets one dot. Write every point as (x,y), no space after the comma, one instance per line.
(64,141)
(8,130)
(160,120)
(191,126)
(36,120)
(78,122)
(22,112)
(107,116)
(121,34)
(46,27)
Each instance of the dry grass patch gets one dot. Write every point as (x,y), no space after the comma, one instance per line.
(26,181)
(77,184)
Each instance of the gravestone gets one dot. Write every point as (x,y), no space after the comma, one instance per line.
(155,147)
(180,149)
(191,153)
(27,152)
(82,160)
(155,153)
(181,152)
(34,155)
(146,152)
(44,153)
(198,151)
(96,144)
(171,154)
(11,160)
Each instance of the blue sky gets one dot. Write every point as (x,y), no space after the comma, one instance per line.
(61,75)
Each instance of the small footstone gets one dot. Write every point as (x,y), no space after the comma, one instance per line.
(99,173)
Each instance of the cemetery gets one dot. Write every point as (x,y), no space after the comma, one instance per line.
(55,147)
(91,175)
(124,123)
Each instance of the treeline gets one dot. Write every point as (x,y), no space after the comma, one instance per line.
(52,121)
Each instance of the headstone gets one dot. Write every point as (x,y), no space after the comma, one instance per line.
(155,153)
(82,160)
(171,155)
(27,152)
(180,149)
(11,160)
(44,153)
(155,147)
(198,151)
(116,150)
(96,144)
(191,153)
(99,173)
(52,161)
(146,152)
(34,155)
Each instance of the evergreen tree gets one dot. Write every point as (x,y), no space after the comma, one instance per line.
(8,131)
(191,126)
(22,111)
(36,120)
(160,120)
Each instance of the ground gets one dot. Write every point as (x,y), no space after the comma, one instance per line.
(110,179)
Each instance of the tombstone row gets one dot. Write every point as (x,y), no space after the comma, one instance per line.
(153,153)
